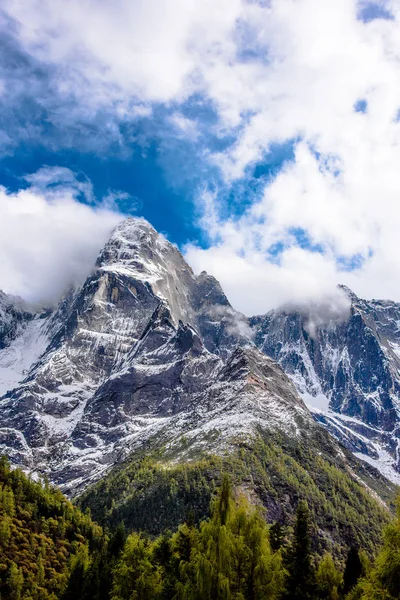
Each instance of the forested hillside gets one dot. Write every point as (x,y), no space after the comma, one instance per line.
(42,535)
(50,550)
(152,493)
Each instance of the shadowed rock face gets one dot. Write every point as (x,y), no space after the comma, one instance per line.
(144,352)
(14,316)
(348,371)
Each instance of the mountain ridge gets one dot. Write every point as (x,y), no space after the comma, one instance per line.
(348,373)
(135,353)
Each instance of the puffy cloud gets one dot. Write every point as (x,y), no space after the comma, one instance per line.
(49,240)
(255,285)
(332,214)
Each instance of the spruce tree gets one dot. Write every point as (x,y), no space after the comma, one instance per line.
(301,579)
(353,570)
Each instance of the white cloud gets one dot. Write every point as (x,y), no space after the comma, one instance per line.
(343,187)
(187,128)
(254,285)
(48,239)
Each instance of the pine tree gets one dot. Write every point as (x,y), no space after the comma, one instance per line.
(276,536)
(76,580)
(15,582)
(301,580)
(117,540)
(383,582)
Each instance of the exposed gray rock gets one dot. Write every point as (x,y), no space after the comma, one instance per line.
(145,350)
(146,353)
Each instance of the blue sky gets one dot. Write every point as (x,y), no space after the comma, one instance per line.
(256,135)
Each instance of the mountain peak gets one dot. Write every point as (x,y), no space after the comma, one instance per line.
(131,228)
(349,293)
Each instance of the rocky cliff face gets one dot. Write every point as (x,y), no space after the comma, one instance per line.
(347,372)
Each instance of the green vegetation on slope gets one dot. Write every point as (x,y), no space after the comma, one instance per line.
(235,555)
(383,581)
(151,494)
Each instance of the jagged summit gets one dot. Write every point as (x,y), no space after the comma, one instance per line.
(348,372)
(134,242)
(349,293)
(145,352)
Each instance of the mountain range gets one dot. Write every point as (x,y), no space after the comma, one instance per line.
(148,355)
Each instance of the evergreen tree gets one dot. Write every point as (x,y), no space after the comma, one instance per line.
(183,548)
(301,579)
(276,536)
(231,557)
(76,580)
(135,575)
(15,582)
(353,570)
(5,530)
(266,574)
(117,540)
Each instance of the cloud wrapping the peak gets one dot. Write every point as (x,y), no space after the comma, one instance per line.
(48,239)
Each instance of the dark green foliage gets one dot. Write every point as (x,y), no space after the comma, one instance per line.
(148,495)
(276,536)
(228,557)
(328,579)
(301,582)
(353,570)
(383,580)
(49,550)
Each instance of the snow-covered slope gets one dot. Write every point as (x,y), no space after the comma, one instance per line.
(348,373)
(21,353)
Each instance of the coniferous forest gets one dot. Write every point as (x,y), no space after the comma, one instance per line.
(50,550)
